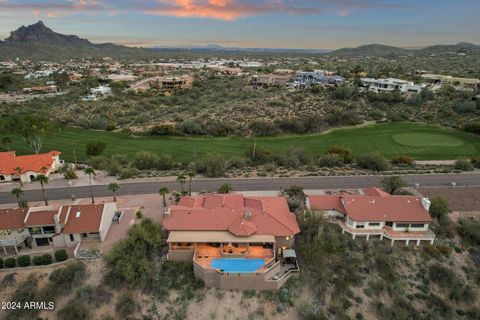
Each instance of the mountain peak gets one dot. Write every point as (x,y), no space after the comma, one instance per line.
(39,32)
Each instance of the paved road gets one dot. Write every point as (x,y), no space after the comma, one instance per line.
(437,180)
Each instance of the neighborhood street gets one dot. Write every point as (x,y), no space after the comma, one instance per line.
(249,184)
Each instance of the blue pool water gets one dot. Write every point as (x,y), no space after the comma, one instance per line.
(237,264)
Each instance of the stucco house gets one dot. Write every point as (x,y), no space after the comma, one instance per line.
(376,213)
(26,168)
(234,241)
(53,227)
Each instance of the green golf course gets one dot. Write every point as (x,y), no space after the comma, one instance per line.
(419,141)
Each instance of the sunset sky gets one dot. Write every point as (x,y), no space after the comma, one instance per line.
(322,24)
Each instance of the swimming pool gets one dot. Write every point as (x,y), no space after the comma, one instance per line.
(237,264)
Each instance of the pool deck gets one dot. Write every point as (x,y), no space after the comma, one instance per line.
(205,254)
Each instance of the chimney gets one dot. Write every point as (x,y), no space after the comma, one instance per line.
(247,215)
(56,218)
(166,214)
(426,203)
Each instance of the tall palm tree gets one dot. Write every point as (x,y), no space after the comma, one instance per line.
(17,192)
(163,192)
(19,170)
(114,187)
(43,179)
(90,171)
(181,178)
(191,175)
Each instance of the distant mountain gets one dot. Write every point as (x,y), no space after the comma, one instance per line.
(378,50)
(219,48)
(38,42)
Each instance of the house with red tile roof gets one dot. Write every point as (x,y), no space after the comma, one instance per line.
(375,213)
(53,226)
(26,168)
(213,229)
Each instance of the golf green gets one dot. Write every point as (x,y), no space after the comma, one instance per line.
(419,141)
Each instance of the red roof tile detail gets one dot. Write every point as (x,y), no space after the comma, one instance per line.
(41,218)
(9,161)
(12,218)
(269,215)
(375,205)
(84,218)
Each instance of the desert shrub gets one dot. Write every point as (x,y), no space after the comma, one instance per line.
(37,261)
(25,293)
(330,161)
(94,296)
(95,148)
(144,160)
(70,174)
(402,160)
(465,107)
(374,162)
(126,305)
(212,165)
(473,127)
(437,308)
(463,165)
(46,259)
(191,127)
(236,162)
(475,162)
(462,293)
(441,275)
(129,261)
(292,125)
(74,310)
(70,276)
(165,162)
(162,130)
(10,262)
(258,154)
(99,162)
(127,173)
(438,207)
(393,184)
(23,261)
(469,231)
(61,255)
(263,128)
(344,153)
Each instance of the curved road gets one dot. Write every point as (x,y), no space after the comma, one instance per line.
(251,184)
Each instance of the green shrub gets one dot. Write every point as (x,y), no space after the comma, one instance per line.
(95,148)
(126,305)
(438,207)
(46,259)
(1,263)
(374,162)
(61,255)
(463,165)
(74,310)
(469,231)
(23,261)
(94,296)
(10,262)
(443,276)
(37,261)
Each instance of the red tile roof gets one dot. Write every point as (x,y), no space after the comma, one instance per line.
(9,161)
(12,218)
(375,205)
(215,212)
(41,218)
(84,218)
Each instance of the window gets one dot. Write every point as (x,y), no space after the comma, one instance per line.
(360,226)
(84,235)
(402,225)
(417,225)
(49,229)
(2,178)
(35,230)
(71,238)
(374,224)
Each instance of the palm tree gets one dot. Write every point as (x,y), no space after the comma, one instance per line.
(90,171)
(19,170)
(163,192)
(114,187)
(17,192)
(181,178)
(191,175)
(43,179)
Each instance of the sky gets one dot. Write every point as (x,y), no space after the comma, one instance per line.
(315,24)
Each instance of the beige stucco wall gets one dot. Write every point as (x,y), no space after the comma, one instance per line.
(424,228)
(108,213)
(283,242)
(76,239)
(180,255)
(7,177)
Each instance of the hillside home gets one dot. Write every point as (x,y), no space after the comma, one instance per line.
(234,241)
(53,227)
(268,80)
(469,83)
(305,78)
(390,85)
(26,168)
(377,214)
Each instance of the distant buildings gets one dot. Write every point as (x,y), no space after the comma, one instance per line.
(390,85)
(97,93)
(269,80)
(468,83)
(26,168)
(167,83)
(39,74)
(41,89)
(306,78)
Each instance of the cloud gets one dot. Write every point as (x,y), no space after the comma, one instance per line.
(54,8)
(225,9)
